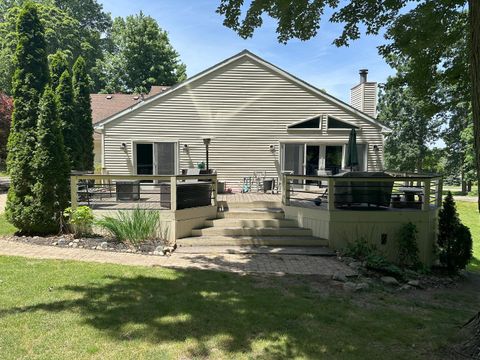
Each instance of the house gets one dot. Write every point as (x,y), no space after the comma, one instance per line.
(106,105)
(257,117)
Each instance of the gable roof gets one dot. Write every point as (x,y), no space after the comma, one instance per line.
(257,59)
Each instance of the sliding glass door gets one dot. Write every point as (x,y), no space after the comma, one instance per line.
(156,158)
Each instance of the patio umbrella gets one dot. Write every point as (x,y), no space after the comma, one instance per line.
(352,154)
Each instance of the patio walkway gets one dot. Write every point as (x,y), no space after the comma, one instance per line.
(238,263)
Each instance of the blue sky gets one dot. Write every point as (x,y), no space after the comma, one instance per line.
(197,33)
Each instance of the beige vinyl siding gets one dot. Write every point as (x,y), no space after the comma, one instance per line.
(364,98)
(245,107)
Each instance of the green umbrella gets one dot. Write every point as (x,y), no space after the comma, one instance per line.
(352,154)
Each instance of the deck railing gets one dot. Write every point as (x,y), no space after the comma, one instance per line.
(115,192)
(420,192)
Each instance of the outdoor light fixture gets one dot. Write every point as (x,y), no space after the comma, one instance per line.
(207,141)
(272,148)
(376,148)
(185,147)
(123,146)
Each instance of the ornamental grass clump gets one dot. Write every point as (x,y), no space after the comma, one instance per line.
(133,227)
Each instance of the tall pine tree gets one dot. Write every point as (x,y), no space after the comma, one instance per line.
(67,119)
(29,80)
(50,192)
(83,111)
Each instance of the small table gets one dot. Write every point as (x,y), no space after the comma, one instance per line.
(410,193)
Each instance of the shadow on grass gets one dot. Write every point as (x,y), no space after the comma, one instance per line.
(475,265)
(203,305)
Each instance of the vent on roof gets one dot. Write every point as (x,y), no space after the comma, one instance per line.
(109,97)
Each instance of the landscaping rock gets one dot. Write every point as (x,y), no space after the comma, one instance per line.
(70,243)
(339,276)
(55,243)
(414,283)
(61,242)
(405,287)
(389,280)
(103,245)
(351,286)
(76,241)
(355,265)
(74,245)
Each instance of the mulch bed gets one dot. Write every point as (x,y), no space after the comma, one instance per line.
(93,243)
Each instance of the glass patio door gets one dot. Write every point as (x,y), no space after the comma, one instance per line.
(165,158)
(293,158)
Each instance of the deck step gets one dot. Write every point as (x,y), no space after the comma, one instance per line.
(281,241)
(253,231)
(270,250)
(250,205)
(262,223)
(262,213)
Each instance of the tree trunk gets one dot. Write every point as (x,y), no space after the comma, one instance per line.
(463,182)
(474,18)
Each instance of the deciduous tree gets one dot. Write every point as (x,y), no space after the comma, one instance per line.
(141,56)
(6,108)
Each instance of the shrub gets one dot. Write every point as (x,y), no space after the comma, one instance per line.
(134,226)
(80,220)
(407,246)
(454,238)
(360,249)
(379,263)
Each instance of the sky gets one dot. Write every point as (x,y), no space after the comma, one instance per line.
(197,33)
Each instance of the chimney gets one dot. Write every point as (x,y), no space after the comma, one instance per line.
(363,75)
(363,96)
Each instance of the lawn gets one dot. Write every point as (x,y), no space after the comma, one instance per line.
(5,227)
(471,218)
(56,309)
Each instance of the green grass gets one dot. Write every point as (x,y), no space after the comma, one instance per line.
(67,310)
(470,217)
(5,227)
(457,190)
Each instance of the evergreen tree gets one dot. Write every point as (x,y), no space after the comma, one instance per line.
(58,63)
(67,119)
(454,238)
(30,77)
(83,111)
(50,192)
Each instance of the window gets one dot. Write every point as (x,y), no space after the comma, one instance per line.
(334,123)
(311,123)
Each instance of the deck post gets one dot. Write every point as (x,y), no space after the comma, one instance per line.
(173,193)
(286,190)
(440,192)
(426,195)
(73,192)
(215,189)
(331,194)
